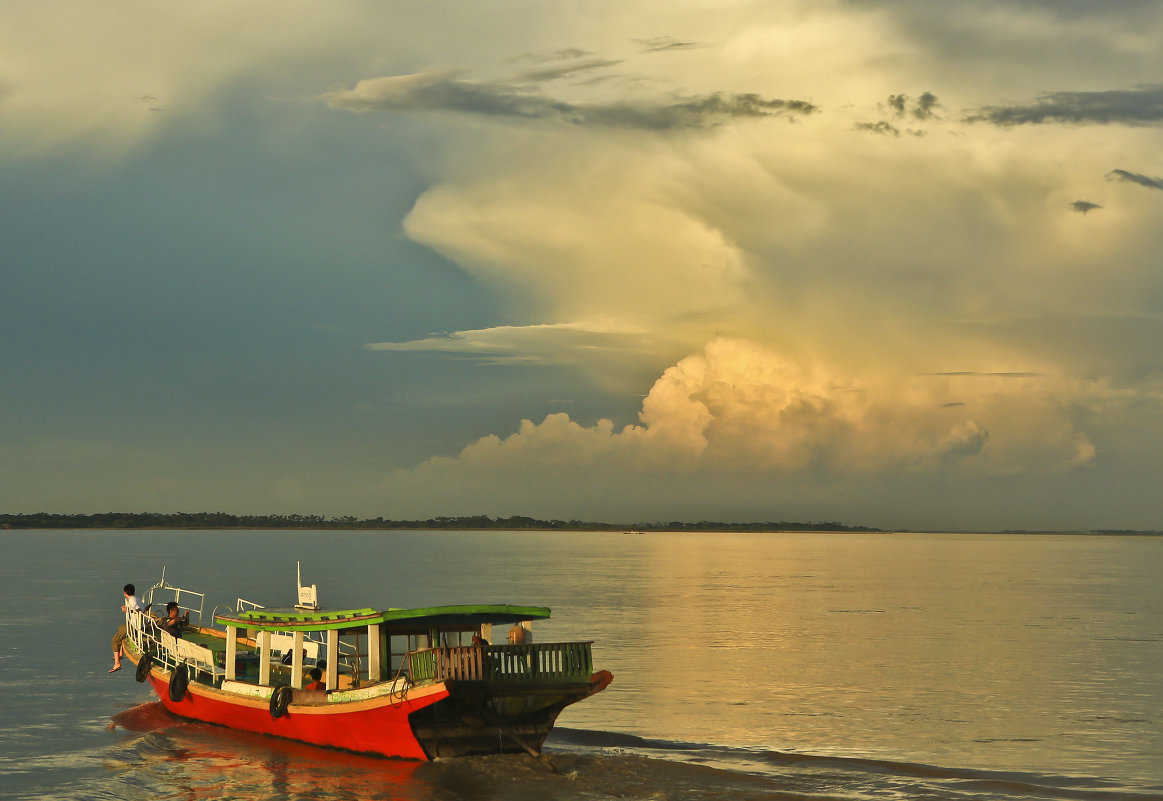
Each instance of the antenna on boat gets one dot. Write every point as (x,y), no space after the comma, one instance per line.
(308,596)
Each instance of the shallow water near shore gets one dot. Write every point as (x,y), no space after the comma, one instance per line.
(846,666)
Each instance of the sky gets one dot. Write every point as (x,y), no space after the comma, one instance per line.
(893,264)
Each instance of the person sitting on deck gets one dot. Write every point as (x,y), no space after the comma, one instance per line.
(316,682)
(172,623)
(132,604)
(517,635)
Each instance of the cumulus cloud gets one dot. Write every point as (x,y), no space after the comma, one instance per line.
(741,407)
(964,440)
(448,90)
(1135,178)
(1135,107)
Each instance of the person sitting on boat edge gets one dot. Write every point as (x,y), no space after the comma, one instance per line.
(172,623)
(132,604)
(316,682)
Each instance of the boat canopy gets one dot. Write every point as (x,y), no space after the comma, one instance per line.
(460,616)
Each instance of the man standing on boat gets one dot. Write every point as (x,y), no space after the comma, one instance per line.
(131,605)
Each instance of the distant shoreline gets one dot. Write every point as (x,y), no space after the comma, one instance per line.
(219,521)
(223,521)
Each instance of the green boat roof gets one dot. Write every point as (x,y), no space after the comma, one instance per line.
(469,616)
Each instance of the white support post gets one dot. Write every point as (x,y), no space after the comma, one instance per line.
(231,652)
(264,658)
(297,661)
(374,672)
(332,659)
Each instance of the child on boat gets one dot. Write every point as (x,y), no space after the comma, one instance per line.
(132,604)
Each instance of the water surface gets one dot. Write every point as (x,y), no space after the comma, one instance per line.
(746,665)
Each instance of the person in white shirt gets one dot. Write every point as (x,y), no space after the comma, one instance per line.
(132,604)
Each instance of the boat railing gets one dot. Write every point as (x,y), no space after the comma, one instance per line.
(168,651)
(146,636)
(533,664)
(187,600)
(243,605)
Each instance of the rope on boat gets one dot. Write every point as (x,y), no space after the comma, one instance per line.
(403,693)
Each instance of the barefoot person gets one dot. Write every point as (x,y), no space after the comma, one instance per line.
(132,604)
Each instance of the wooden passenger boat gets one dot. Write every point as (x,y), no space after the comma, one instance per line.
(408,683)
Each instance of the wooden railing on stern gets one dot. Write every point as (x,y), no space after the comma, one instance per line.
(537,663)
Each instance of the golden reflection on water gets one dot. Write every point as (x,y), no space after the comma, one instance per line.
(930,646)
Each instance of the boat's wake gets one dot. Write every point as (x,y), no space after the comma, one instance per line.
(817,776)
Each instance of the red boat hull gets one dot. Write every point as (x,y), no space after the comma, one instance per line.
(374,726)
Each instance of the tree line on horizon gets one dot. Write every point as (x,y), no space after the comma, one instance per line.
(130,520)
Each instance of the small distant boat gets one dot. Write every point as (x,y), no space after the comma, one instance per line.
(631,532)
(410,683)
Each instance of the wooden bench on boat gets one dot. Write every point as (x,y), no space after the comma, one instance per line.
(198,657)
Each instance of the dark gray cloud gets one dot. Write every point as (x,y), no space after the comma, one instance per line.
(923,108)
(881,127)
(544,56)
(546,74)
(901,106)
(660,43)
(448,92)
(1135,178)
(1083,206)
(977,373)
(1141,106)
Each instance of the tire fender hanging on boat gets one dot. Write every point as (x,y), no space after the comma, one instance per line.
(280,700)
(143,667)
(178,682)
